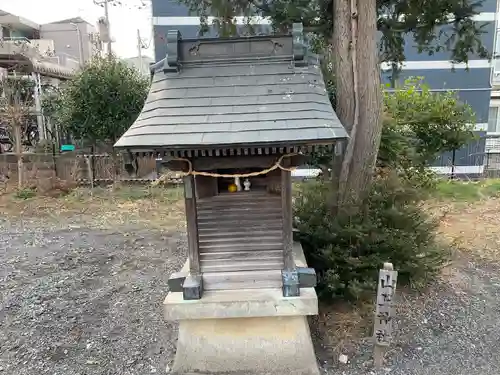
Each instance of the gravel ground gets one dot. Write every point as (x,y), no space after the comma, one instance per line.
(85,301)
(82,301)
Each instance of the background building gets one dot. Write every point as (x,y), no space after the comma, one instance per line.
(45,55)
(473,85)
(493,144)
(140,63)
(72,37)
(67,43)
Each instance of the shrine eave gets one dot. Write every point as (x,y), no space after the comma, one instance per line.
(253,92)
(229,150)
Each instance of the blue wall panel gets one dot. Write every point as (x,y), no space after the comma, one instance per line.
(474,78)
(169,8)
(472,154)
(489,6)
(412,54)
(472,86)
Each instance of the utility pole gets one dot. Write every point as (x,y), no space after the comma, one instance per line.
(81,56)
(106,19)
(106,16)
(139,50)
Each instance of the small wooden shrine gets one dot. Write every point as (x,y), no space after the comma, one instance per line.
(236,115)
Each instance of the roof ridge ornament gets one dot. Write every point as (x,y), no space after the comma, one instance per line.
(172,60)
(299,46)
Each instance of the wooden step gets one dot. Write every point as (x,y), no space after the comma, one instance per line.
(239,225)
(246,195)
(241,265)
(247,255)
(242,280)
(236,233)
(208,235)
(245,237)
(240,210)
(240,198)
(243,219)
(230,215)
(212,202)
(241,246)
(229,231)
(237,261)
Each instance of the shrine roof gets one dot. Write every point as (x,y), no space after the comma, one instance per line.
(253,91)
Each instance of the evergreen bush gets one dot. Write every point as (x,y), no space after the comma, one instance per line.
(349,247)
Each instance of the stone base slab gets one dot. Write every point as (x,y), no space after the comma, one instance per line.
(245,303)
(245,346)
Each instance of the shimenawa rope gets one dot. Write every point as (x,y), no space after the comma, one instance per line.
(190,171)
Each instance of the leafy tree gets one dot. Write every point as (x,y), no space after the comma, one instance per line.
(51,105)
(16,102)
(349,28)
(101,102)
(418,126)
(346,248)
(427,124)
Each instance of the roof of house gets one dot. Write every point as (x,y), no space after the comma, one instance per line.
(71,20)
(246,92)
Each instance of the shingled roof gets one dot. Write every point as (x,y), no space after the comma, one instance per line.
(254,91)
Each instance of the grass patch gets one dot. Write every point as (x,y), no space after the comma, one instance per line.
(25,193)
(116,207)
(129,193)
(467,191)
(449,190)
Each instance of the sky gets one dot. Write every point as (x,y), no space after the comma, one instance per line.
(124,20)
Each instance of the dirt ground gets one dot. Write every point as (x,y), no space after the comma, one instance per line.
(82,279)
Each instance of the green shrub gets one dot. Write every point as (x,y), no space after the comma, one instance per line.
(348,249)
(25,193)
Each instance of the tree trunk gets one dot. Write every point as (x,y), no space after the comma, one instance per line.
(19,155)
(358,167)
(342,59)
(344,84)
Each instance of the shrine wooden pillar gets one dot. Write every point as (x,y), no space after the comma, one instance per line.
(289,273)
(192,287)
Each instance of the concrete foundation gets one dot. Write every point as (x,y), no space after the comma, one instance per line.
(244,332)
(272,345)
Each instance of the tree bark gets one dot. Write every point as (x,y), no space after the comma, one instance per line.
(344,85)
(342,60)
(361,163)
(346,162)
(19,153)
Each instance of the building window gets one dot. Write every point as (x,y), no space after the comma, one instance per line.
(496,58)
(493,123)
(5,32)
